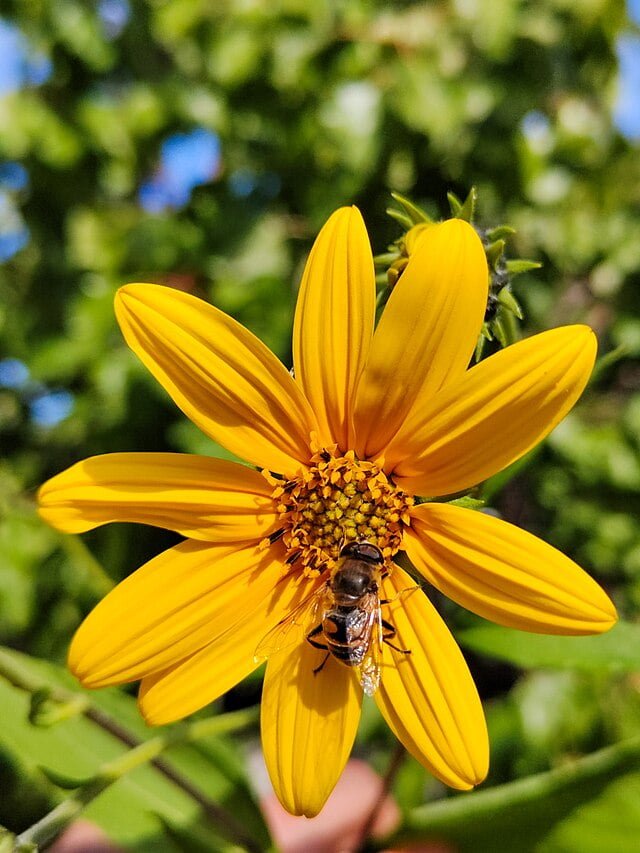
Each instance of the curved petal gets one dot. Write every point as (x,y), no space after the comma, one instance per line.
(503,573)
(222,377)
(204,676)
(428,697)
(427,332)
(497,412)
(334,323)
(309,722)
(197,496)
(174,605)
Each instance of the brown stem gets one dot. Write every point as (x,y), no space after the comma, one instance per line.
(395,763)
(211,810)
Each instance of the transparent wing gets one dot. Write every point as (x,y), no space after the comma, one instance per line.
(292,628)
(371,665)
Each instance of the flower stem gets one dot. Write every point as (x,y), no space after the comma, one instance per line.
(398,757)
(82,557)
(68,810)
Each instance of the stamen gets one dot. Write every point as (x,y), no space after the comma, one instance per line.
(339,499)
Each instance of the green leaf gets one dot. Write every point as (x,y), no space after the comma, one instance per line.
(515,817)
(126,810)
(609,822)
(63,780)
(616,651)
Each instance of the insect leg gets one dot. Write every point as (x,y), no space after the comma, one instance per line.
(389,635)
(314,633)
(325,659)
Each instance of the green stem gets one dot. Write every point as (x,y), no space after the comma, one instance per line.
(82,557)
(560,790)
(68,810)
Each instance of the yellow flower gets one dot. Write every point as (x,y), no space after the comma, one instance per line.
(369,419)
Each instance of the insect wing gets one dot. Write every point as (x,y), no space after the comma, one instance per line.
(292,628)
(371,665)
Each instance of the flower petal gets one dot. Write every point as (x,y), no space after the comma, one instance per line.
(428,697)
(334,322)
(427,332)
(204,676)
(221,376)
(503,573)
(174,605)
(309,722)
(197,496)
(497,412)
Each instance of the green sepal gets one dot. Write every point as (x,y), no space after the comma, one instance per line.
(467,502)
(401,218)
(506,298)
(415,213)
(502,232)
(502,307)
(494,251)
(61,780)
(385,259)
(518,266)
(500,331)
(466,209)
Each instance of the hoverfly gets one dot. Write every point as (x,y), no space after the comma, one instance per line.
(347,609)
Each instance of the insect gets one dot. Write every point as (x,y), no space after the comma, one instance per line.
(348,607)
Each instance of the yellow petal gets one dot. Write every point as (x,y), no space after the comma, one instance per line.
(309,723)
(334,322)
(198,496)
(497,412)
(505,574)
(204,676)
(221,376)
(428,697)
(174,605)
(427,332)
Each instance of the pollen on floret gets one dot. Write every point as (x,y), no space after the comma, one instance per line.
(338,499)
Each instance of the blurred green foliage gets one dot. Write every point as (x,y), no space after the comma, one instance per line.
(316,105)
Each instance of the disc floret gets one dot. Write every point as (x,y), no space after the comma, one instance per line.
(339,499)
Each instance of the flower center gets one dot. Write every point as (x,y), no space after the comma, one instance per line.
(337,500)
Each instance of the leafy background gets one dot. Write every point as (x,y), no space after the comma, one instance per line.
(202,145)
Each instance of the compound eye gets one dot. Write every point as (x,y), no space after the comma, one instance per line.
(351,550)
(370,553)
